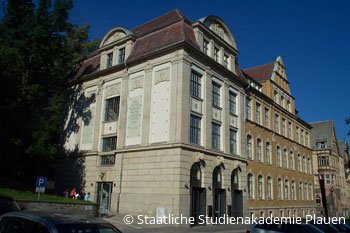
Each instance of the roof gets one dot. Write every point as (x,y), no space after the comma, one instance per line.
(322,131)
(164,31)
(260,73)
(87,66)
(343,148)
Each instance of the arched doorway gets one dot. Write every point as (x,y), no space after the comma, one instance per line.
(198,197)
(219,194)
(236,194)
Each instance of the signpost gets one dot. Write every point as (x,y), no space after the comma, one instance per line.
(40,185)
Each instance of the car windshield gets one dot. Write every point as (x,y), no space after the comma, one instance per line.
(86,228)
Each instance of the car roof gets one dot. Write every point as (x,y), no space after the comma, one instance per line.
(54,218)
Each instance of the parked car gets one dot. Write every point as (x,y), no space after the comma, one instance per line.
(7,204)
(37,222)
(284,228)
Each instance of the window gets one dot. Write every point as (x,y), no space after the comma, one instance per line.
(109,144)
(308,165)
(278,156)
(269,188)
(291,160)
(275,96)
(282,101)
(283,127)
(277,124)
(299,163)
(290,130)
(107,160)
(258,149)
(306,139)
(306,195)
(285,158)
(109,60)
(297,134)
(268,152)
(302,137)
(215,94)
(328,179)
(249,147)
(216,54)
(195,129)
(112,108)
(232,103)
(260,187)
(195,85)
(250,186)
(304,164)
(310,194)
(318,199)
(288,106)
(300,191)
(286,189)
(215,136)
(257,113)
(205,46)
(266,120)
(279,188)
(226,60)
(233,141)
(121,56)
(248,108)
(323,161)
(292,193)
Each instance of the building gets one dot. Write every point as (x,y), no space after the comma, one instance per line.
(329,170)
(344,152)
(155,121)
(279,171)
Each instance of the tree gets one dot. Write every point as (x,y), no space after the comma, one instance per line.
(38,49)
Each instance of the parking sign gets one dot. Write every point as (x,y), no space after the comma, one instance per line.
(40,184)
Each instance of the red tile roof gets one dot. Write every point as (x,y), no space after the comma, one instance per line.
(162,32)
(87,66)
(260,73)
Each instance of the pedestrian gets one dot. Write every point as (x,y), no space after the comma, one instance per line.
(65,193)
(86,196)
(73,193)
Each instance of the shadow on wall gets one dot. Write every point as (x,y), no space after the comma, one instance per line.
(70,163)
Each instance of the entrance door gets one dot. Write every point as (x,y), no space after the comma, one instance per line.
(197,204)
(198,194)
(219,203)
(104,192)
(237,203)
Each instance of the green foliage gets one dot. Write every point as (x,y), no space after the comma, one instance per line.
(38,49)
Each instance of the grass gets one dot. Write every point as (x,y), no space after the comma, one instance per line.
(21,192)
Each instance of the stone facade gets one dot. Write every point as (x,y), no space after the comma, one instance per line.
(139,134)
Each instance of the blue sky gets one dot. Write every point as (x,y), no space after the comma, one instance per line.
(313,37)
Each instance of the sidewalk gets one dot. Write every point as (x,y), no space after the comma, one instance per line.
(117,220)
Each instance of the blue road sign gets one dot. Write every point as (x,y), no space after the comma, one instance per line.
(41,182)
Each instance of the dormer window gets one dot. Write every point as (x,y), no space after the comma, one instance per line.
(205,46)
(216,54)
(321,145)
(121,56)
(109,60)
(226,60)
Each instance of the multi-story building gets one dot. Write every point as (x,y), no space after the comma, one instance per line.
(329,170)
(155,123)
(344,152)
(279,171)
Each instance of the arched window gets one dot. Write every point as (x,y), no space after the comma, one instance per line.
(250,186)
(258,149)
(292,193)
(196,175)
(306,193)
(278,156)
(311,195)
(308,165)
(291,160)
(217,179)
(285,158)
(260,187)
(299,163)
(235,180)
(279,188)
(268,152)
(269,188)
(304,164)
(286,189)
(249,147)
(300,191)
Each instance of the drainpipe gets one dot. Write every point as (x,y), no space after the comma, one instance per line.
(122,157)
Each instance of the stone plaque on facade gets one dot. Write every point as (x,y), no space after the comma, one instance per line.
(134,116)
